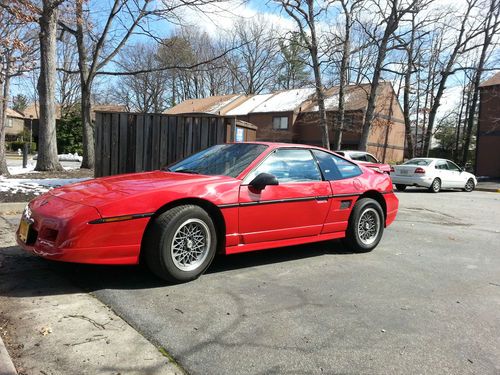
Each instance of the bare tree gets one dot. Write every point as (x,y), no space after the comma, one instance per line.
(15,54)
(349,9)
(467,31)
(253,64)
(68,84)
(145,92)
(490,29)
(96,48)
(47,144)
(47,18)
(390,13)
(305,15)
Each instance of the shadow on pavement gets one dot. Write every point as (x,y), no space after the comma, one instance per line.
(24,275)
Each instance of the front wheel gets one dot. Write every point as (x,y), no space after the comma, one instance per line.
(435,186)
(469,186)
(181,243)
(366,225)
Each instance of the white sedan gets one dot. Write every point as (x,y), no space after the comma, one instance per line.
(434,174)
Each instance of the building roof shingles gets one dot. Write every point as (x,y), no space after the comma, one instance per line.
(492,81)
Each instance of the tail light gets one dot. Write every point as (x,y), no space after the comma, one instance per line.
(420,170)
(392,169)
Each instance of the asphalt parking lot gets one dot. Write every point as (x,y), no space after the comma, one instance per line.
(426,300)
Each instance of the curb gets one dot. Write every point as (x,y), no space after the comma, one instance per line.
(491,190)
(12,207)
(6,365)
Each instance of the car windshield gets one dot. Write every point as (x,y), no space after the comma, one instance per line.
(418,162)
(225,160)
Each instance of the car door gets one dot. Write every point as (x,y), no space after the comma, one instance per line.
(441,168)
(456,176)
(342,176)
(297,207)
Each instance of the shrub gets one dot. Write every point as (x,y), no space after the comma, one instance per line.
(69,135)
(15,145)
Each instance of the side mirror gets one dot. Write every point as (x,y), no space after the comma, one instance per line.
(262,180)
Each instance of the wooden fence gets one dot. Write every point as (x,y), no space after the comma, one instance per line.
(131,142)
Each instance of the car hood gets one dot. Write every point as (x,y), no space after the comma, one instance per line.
(104,190)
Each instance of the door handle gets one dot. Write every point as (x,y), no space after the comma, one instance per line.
(322,199)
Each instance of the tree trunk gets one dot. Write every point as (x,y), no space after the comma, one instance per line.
(392,24)
(370,107)
(444,77)
(47,142)
(489,31)
(4,171)
(344,67)
(86,87)
(406,93)
(88,129)
(320,94)
(459,122)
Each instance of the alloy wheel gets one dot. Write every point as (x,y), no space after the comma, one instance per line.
(368,226)
(190,244)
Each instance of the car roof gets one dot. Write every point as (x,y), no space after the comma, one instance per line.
(283,144)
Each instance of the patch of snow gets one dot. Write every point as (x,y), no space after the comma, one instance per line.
(30,168)
(285,101)
(220,105)
(248,105)
(36,186)
(66,157)
(18,169)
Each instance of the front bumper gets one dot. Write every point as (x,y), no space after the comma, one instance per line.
(60,230)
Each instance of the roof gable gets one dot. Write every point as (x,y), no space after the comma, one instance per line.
(211,105)
(492,81)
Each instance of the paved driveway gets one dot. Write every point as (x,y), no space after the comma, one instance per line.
(427,300)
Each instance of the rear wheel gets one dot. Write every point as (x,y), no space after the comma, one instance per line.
(401,187)
(469,186)
(181,243)
(435,186)
(366,225)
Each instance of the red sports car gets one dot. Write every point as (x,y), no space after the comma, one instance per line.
(228,198)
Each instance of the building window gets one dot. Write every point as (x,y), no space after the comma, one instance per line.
(9,122)
(280,123)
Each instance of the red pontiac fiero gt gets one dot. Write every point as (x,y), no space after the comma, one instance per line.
(228,198)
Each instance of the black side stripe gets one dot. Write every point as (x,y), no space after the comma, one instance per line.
(288,200)
(114,219)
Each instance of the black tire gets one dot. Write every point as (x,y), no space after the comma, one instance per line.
(400,187)
(159,244)
(435,186)
(469,185)
(354,240)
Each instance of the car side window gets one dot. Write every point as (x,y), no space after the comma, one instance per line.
(371,159)
(334,167)
(452,166)
(289,165)
(440,164)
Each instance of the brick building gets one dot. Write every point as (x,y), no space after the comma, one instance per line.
(488,129)
(15,123)
(292,116)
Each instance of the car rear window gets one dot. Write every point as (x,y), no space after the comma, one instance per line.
(334,167)
(422,162)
